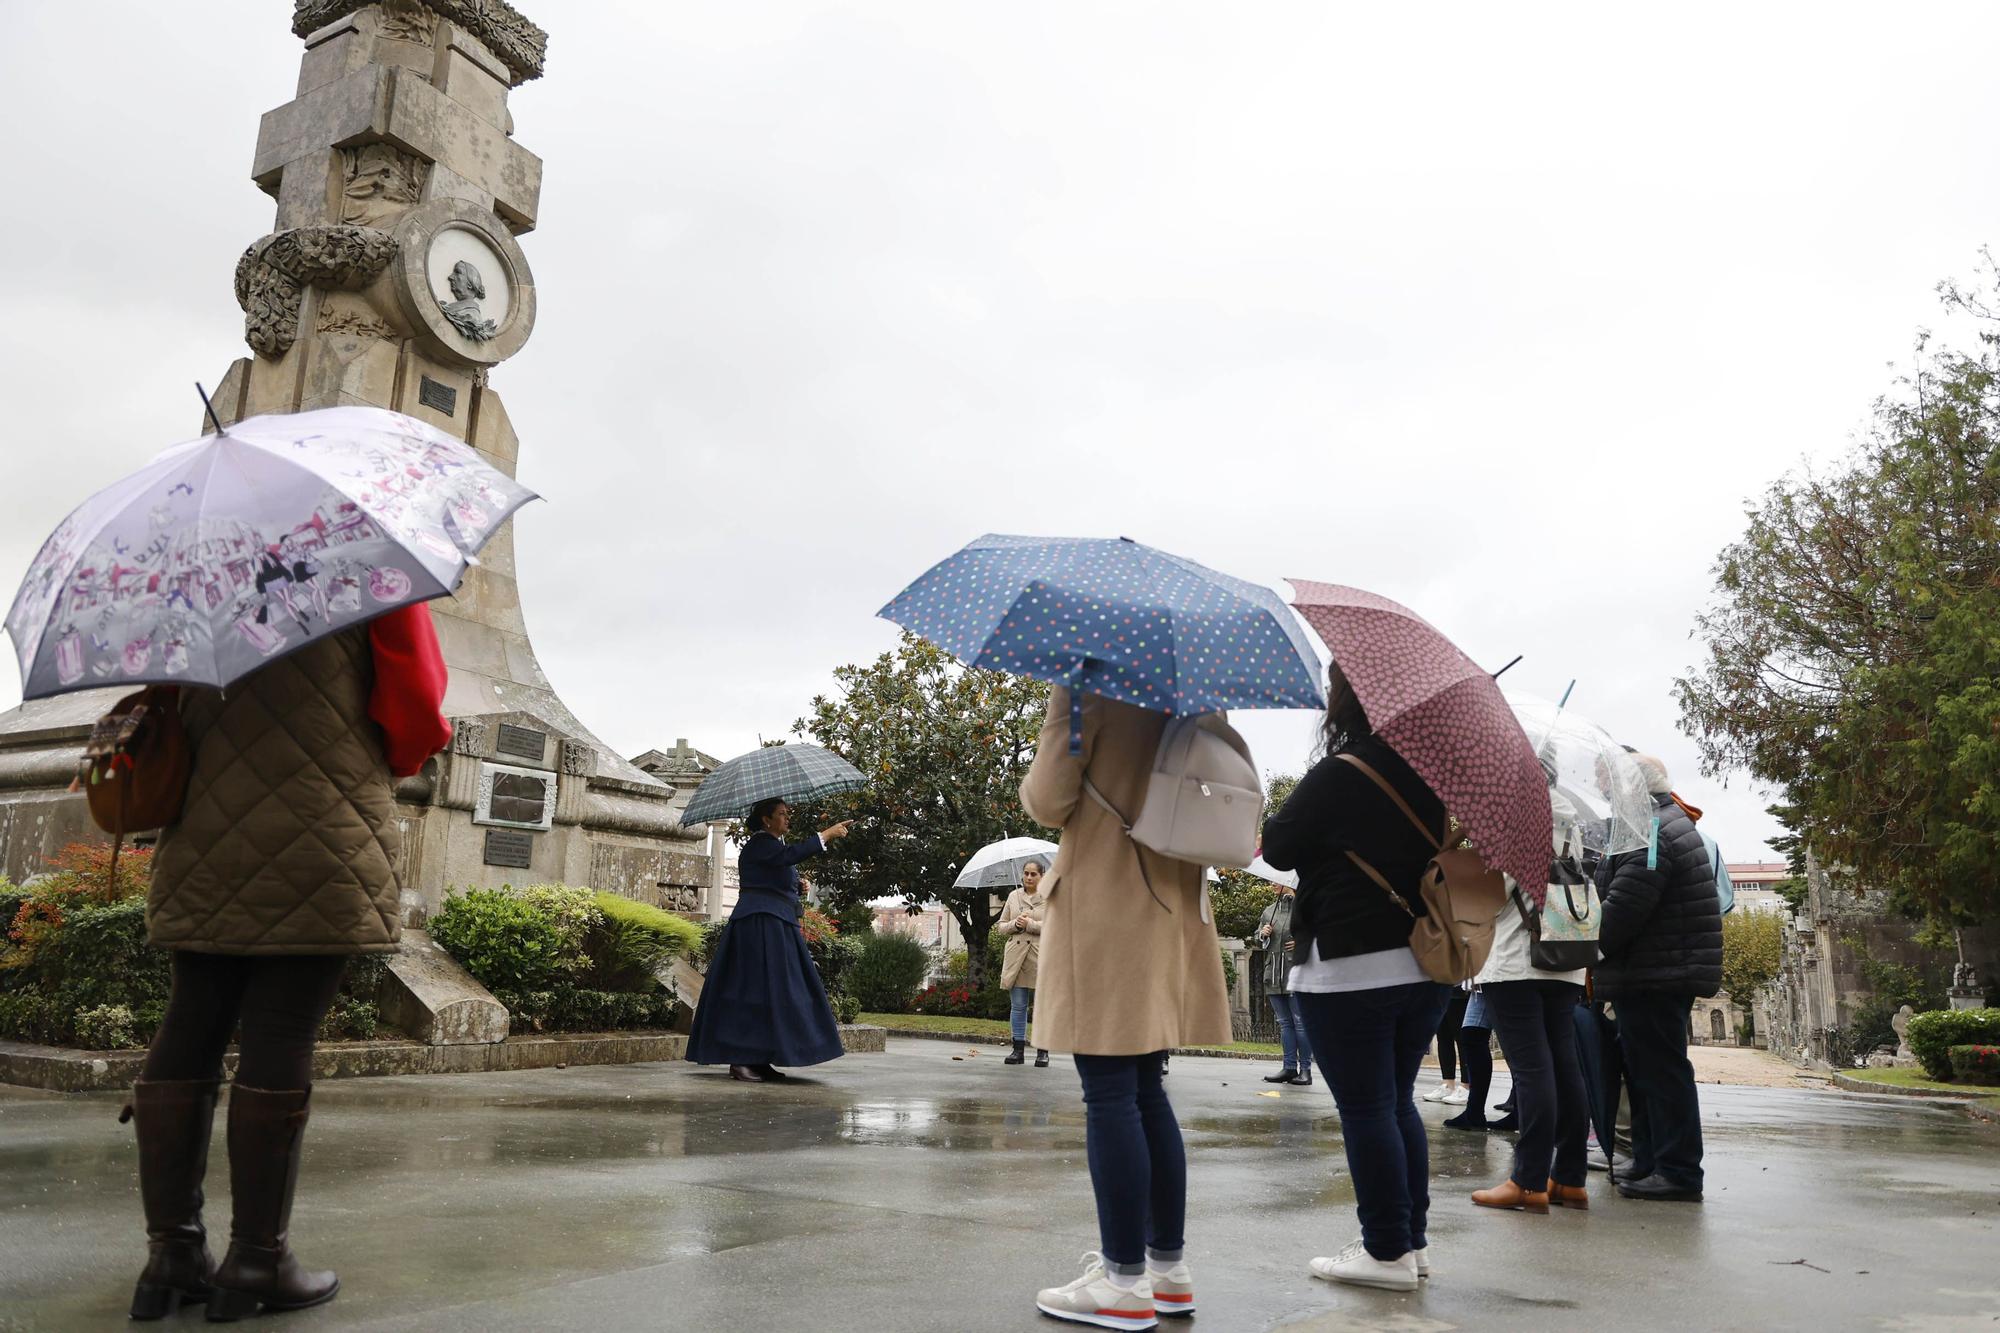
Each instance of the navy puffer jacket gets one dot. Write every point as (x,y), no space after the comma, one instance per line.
(1662,926)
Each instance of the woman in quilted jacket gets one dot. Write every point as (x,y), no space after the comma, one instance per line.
(281,866)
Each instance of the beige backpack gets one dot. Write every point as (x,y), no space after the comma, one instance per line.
(1461,897)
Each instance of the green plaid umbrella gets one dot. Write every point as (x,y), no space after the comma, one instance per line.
(788,772)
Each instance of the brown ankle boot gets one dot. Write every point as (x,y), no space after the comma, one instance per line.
(1509,1195)
(174,1119)
(1569,1196)
(260,1272)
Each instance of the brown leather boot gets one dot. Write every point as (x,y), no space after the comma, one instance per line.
(266,1139)
(174,1119)
(1569,1196)
(1509,1195)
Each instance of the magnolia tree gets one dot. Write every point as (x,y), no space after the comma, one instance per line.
(944,749)
(1853,647)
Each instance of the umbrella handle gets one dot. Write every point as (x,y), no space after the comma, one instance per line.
(1076,711)
(209,407)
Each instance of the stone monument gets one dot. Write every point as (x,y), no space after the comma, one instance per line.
(394,276)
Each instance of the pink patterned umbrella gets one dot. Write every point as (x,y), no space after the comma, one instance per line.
(1446,717)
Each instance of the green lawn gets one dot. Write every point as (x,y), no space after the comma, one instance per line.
(1916,1078)
(997,1027)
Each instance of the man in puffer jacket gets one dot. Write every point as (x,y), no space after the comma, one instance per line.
(1662,947)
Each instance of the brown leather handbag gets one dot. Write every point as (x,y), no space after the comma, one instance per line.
(135,766)
(1462,898)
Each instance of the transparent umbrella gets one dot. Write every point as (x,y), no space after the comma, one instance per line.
(998,865)
(1596,790)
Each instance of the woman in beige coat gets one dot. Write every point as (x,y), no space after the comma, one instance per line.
(1129,967)
(1021,923)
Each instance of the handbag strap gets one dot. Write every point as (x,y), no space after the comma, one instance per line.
(1436,842)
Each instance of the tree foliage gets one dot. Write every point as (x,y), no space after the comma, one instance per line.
(1753,946)
(944,749)
(1853,651)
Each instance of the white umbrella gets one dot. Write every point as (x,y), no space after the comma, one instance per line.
(1264,870)
(238,547)
(998,865)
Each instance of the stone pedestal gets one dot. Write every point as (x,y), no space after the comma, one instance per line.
(394,277)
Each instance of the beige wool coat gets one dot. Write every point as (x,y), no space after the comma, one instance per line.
(1120,973)
(1018,964)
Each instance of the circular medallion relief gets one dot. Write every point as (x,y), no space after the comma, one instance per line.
(464,281)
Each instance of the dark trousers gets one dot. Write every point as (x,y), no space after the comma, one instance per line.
(1138,1168)
(1666,1109)
(1448,1026)
(1536,1024)
(1369,1045)
(280,1000)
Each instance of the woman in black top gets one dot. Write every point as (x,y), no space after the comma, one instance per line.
(1369,1009)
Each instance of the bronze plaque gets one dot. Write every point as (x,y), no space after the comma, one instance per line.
(509,847)
(522,742)
(442,397)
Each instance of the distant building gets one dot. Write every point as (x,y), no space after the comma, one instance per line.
(936,929)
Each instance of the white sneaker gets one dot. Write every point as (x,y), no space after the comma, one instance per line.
(1093,1299)
(1173,1290)
(1440,1092)
(1423,1258)
(1458,1097)
(1355,1266)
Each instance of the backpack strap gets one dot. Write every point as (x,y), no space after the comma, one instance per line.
(1377,876)
(1090,789)
(1436,842)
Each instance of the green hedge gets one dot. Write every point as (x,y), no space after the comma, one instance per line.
(566,959)
(76,970)
(1976,1064)
(1933,1034)
(887,974)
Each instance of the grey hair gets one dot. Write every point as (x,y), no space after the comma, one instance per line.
(1657,781)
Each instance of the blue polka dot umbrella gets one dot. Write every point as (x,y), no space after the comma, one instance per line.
(1117,619)
(788,772)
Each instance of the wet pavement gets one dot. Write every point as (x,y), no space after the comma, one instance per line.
(912,1191)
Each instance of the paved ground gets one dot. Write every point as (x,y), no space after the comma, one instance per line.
(911,1191)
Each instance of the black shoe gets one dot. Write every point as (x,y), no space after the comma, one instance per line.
(1506,1107)
(260,1272)
(174,1123)
(1506,1124)
(1304,1078)
(1041,1059)
(747,1074)
(1470,1121)
(1014,1057)
(1658,1188)
(773,1075)
(1285,1075)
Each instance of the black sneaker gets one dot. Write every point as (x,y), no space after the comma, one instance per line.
(1658,1188)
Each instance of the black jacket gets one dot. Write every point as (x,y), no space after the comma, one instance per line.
(1335,809)
(1662,927)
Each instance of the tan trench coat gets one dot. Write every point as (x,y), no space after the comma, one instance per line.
(1018,964)
(1120,974)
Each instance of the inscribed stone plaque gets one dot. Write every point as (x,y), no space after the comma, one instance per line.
(515,797)
(441,397)
(506,847)
(522,742)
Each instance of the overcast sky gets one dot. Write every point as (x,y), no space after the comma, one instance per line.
(1502,311)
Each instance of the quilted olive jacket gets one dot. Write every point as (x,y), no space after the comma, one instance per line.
(288,843)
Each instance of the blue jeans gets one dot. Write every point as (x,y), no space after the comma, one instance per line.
(1138,1168)
(1291,1030)
(1019,1000)
(1536,1023)
(1370,1044)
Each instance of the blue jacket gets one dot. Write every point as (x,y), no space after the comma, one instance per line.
(768,872)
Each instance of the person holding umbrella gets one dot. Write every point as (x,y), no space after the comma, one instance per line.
(1130,965)
(1413,729)
(1021,923)
(763,1003)
(280,862)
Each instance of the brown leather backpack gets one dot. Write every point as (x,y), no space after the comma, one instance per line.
(135,767)
(1462,898)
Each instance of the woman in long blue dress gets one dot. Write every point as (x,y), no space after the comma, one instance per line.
(763,1003)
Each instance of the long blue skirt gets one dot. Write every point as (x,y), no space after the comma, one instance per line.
(762,1002)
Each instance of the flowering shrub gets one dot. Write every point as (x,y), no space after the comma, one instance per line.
(1933,1034)
(949,999)
(1976,1064)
